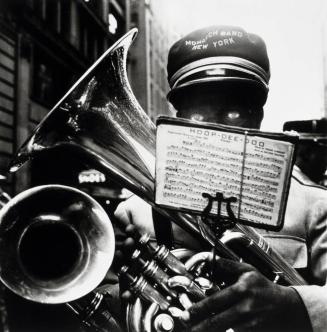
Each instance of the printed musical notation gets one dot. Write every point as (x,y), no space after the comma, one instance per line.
(253,169)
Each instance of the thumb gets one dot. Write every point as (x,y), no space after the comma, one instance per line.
(122,215)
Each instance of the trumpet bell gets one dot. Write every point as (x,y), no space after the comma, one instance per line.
(57,244)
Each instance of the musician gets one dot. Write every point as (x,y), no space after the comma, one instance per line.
(311,156)
(221,74)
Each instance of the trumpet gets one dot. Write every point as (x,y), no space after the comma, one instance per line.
(100,120)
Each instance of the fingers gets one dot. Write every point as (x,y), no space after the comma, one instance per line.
(216,323)
(235,319)
(213,304)
(123,252)
(137,212)
(129,246)
(122,215)
(226,298)
(231,270)
(131,230)
(125,245)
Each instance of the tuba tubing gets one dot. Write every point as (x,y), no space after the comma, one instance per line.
(100,120)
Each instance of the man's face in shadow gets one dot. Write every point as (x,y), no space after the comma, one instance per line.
(227,106)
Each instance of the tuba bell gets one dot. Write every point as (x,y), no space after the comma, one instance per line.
(100,120)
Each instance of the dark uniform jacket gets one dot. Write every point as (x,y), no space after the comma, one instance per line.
(303,243)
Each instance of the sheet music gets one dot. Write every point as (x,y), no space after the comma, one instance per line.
(191,161)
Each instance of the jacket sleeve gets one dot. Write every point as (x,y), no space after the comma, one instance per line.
(315,301)
(315,297)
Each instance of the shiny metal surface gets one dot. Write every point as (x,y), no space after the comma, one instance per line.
(100,119)
(56,244)
(142,314)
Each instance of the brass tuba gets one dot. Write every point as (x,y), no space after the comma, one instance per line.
(100,120)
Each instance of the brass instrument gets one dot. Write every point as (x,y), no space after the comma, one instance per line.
(57,244)
(55,237)
(4,197)
(100,120)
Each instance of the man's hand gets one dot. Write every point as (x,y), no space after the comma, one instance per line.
(250,303)
(134,218)
(137,212)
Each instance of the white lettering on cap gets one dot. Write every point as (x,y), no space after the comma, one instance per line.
(195,42)
(222,42)
(231,33)
(200,47)
(210,34)
(237,33)
(213,33)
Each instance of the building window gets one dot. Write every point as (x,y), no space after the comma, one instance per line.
(40,8)
(95,6)
(135,19)
(50,79)
(65,23)
(91,38)
(43,81)
(52,16)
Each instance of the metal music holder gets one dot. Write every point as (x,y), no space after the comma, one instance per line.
(218,223)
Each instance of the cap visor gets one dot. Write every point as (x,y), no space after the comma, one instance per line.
(256,88)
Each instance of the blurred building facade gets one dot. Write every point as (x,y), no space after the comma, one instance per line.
(44,47)
(324,49)
(149,56)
